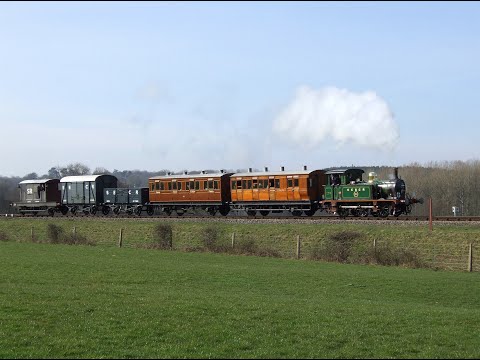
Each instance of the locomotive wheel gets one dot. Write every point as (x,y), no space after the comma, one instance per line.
(343,213)
(64,210)
(264,212)
(105,210)
(383,212)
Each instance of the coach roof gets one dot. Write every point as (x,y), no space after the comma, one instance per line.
(82,178)
(36,181)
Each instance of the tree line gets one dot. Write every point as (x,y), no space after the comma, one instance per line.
(448,183)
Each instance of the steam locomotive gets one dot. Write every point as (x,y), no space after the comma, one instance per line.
(342,192)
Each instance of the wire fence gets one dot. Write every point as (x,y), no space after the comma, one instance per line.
(413,248)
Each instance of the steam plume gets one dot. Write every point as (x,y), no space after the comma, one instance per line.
(359,118)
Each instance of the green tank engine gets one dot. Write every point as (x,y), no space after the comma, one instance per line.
(346,193)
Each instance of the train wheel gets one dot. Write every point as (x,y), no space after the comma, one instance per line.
(51,212)
(297,213)
(116,210)
(251,213)
(150,210)
(343,213)
(310,212)
(180,212)
(93,210)
(64,210)
(105,210)
(384,212)
(212,211)
(264,212)
(224,211)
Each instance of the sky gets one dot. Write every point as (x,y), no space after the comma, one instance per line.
(230,85)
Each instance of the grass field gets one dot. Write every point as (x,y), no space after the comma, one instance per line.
(60,301)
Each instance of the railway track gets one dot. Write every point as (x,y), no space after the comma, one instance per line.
(317,218)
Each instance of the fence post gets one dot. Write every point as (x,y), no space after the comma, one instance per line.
(374,246)
(31,233)
(470,257)
(120,238)
(233,240)
(430,213)
(298,246)
(75,233)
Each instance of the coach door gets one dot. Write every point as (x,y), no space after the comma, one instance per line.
(271,188)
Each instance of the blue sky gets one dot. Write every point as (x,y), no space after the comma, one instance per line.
(200,85)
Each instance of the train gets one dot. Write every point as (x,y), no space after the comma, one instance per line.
(339,191)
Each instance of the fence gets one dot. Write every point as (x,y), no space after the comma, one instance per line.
(447,250)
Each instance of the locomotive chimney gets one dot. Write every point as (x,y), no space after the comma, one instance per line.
(395,172)
(266,169)
(282,168)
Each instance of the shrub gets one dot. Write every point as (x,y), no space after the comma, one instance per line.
(54,233)
(336,247)
(3,236)
(162,237)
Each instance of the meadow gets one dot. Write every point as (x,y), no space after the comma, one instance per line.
(61,301)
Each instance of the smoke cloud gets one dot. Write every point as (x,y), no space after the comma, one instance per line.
(314,116)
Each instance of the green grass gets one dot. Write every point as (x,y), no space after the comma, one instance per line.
(447,247)
(60,301)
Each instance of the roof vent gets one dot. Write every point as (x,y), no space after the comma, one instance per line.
(304,167)
(185,172)
(204,172)
(249,170)
(266,169)
(282,168)
(169,173)
(222,171)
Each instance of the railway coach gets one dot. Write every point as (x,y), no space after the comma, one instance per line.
(296,192)
(209,192)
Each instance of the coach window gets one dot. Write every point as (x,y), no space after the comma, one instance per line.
(295,182)
(234,185)
(249,184)
(210,185)
(192,185)
(187,185)
(277,183)
(153,186)
(260,184)
(162,185)
(179,185)
(244,184)
(272,183)
(215,184)
(255,184)
(169,185)
(265,184)
(197,185)
(289,183)
(174,185)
